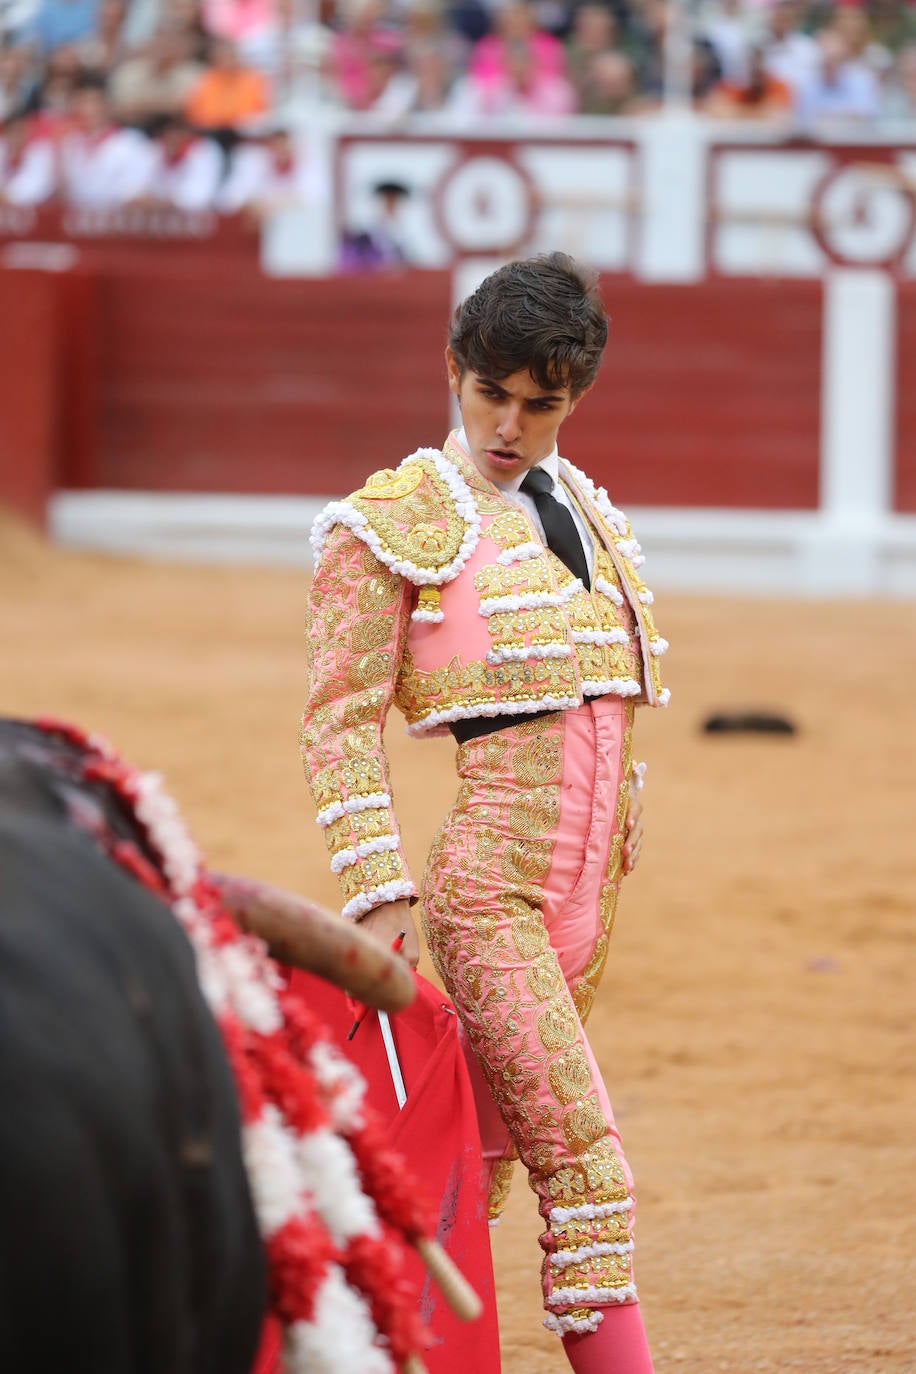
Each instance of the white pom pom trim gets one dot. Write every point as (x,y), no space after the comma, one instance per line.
(562,1259)
(568,1297)
(346,858)
(351,807)
(524,651)
(520,553)
(609,590)
(385,892)
(563,1325)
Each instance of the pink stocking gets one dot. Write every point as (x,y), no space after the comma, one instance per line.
(618,1346)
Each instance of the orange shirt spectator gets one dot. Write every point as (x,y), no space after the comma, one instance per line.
(227,94)
(761,96)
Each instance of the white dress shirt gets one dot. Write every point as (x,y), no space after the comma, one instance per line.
(189,182)
(512,490)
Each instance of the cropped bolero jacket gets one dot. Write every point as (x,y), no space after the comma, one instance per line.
(434,591)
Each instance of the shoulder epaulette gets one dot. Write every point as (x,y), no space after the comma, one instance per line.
(419,519)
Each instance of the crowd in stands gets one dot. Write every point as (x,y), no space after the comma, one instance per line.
(114,102)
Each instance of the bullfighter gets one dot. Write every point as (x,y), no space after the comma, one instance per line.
(491,590)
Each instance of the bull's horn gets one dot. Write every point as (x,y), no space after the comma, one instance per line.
(307,936)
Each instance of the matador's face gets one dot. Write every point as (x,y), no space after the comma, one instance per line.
(511,422)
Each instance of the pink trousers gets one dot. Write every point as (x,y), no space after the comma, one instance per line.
(519,897)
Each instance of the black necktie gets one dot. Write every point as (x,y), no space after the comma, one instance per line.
(563,538)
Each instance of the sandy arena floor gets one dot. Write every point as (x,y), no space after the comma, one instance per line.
(756,1024)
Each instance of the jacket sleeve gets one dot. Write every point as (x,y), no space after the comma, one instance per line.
(359,614)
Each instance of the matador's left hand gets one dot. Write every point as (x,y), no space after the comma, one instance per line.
(632,829)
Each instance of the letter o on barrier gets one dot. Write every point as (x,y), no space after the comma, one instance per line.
(485,204)
(860,217)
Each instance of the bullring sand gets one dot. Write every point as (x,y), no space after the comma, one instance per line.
(756,1022)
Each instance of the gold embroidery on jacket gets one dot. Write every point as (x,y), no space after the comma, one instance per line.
(510,529)
(413,514)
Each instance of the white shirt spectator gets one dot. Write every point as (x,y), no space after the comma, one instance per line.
(795,59)
(188,176)
(103,170)
(271,176)
(27,171)
(842,89)
(727,29)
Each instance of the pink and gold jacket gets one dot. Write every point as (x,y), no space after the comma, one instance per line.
(432,590)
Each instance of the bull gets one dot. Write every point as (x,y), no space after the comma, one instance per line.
(129,1241)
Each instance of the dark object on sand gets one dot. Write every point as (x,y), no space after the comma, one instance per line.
(748,722)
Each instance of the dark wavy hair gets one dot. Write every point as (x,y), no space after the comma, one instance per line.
(543,314)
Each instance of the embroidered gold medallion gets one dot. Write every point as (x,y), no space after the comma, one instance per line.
(389,483)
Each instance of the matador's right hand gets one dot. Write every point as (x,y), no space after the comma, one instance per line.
(385,923)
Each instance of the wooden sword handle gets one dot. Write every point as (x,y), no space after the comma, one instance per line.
(458,1293)
(301,933)
(413,1365)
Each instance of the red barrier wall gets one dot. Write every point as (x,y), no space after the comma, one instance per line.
(28,391)
(251,385)
(905,485)
(186,370)
(709,396)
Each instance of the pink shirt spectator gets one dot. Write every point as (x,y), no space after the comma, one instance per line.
(236,19)
(354,55)
(520,70)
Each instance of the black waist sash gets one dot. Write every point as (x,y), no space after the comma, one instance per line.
(463,730)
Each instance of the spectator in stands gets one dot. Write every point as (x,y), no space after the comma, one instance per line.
(63,22)
(270,175)
(760,96)
(185,169)
(228,93)
(791,55)
(286,40)
(237,19)
(426,32)
(645,44)
(158,81)
(496,60)
(353,64)
(469,19)
(706,70)
(608,85)
(893,24)
(728,29)
(524,89)
(519,70)
(899,99)
(16,18)
(27,170)
(105,46)
(843,89)
(382,70)
(57,92)
(423,85)
(186,16)
(853,24)
(102,166)
(594,30)
(18,79)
